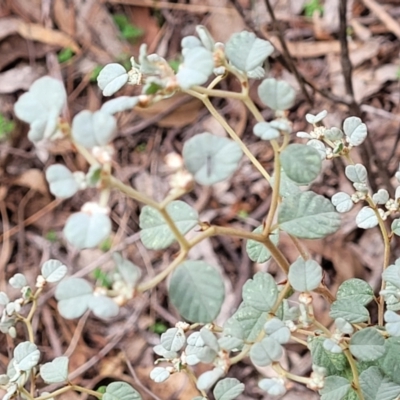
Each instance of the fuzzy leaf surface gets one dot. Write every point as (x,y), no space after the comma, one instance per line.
(256,251)
(211,158)
(155,232)
(228,389)
(335,388)
(301,163)
(260,292)
(55,371)
(196,289)
(61,181)
(305,276)
(367,344)
(308,216)
(121,391)
(375,386)
(277,95)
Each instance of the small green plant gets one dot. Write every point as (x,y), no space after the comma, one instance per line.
(357,358)
(65,55)
(128,31)
(6,127)
(313,6)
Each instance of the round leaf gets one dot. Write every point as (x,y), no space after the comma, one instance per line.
(246,51)
(41,107)
(274,386)
(335,388)
(276,329)
(122,103)
(18,281)
(396,226)
(121,391)
(26,355)
(55,371)
(111,78)
(129,272)
(173,339)
(305,276)
(210,158)
(392,275)
(260,292)
(197,291)
(355,130)
(155,232)
(103,307)
(207,379)
(278,95)
(53,271)
(197,66)
(314,119)
(355,290)
(256,251)
(301,163)
(357,173)
(265,131)
(61,180)
(366,218)
(73,296)
(376,386)
(351,311)
(308,215)
(342,201)
(93,129)
(84,230)
(367,344)
(228,389)
(392,325)
(265,352)
(159,374)
(381,196)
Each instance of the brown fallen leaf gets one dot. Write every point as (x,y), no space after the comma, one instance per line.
(33,179)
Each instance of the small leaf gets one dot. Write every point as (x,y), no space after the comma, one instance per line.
(53,271)
(103,306)
(367,344)
(84,230)
(247,52)
(265,131)
(333,134)
(256,251)
(209,339)
(196,289)
(197,66)
(305,276)
(18,281)
(207,379)
(342,201)
(228,389)
(392,274)
(343,326)
(357,173)
(26,355)
(61,180)
(396,226)
(273,386)
(41,107)
(173,339)
(156,233)
(93,129)
(277,329)
(301,163)
(111,78)
(392,325)
(335,388)
(308,216)
(355,130)
(129,272)
(230,343)
(376,386)
(381,196)
(351,311)
(355,290)
(278,95)
(55,371)
(261,292)
(319,146)
(73,296)
(122,103)
(366,218)
(331,346)
(121,391)
(314,119)
(265,352)
(211,158)
(159,374)
(390,362)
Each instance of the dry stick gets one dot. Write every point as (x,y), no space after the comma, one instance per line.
(286,53)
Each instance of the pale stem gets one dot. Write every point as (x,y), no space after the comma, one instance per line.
(296,378)
(354,371)
(68,388)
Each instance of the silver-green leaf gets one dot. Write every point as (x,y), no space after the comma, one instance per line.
(211,158)
(367,344)
(26,356)
(335,388)
(228,389)
(61,181)
(196,289)
(305,276)
(53,271)
(265,352)
(55,371)
(301,163)
(261,292)
(121,391)
(156,233)
(278,95)
(376,386)
(308,216)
